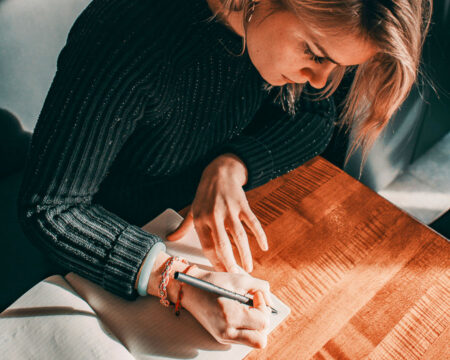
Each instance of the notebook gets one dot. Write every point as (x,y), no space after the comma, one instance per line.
(72,318)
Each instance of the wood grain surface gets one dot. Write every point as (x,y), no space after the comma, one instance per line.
(363,279)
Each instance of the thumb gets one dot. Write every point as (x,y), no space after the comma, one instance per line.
(183,229)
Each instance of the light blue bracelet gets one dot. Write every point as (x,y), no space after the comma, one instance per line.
(147,267)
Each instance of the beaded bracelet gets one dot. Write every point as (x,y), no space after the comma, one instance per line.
(180,291)
(165,279)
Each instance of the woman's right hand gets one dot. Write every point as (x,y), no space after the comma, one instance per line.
(230,321)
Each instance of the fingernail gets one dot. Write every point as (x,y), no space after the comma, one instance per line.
(266,247)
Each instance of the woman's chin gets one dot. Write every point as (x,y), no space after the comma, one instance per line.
(276,82)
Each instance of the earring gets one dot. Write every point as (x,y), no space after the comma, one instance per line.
(251,10)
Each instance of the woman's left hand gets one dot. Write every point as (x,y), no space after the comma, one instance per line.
(219,205)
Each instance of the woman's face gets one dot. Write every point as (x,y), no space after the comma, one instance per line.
(285,50)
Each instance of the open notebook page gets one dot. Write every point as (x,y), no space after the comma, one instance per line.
(51,321)
(152,331)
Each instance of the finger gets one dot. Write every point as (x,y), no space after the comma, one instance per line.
(265,291)
(255,227)
(242,316)
(255,318)
(253,338)
(259,301)
(186,226)
(241,240)
(224,251)
(217,265)
(208,247)
(261,310)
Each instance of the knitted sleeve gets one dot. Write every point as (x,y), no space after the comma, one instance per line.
(275,142)
(103,82)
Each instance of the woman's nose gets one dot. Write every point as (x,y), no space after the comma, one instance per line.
(318,75)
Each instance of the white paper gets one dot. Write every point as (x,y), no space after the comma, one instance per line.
(151,331)
(51,321)
(74,318)
(188,247)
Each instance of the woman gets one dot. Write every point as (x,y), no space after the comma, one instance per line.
(153,107)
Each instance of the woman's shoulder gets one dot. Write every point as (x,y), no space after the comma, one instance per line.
(118,19)
(165,33)
(117,28)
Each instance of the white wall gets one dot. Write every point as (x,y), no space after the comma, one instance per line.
(32,33)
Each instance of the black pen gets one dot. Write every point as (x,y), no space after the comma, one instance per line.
(207,286)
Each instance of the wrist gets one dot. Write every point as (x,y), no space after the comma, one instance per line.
(190,292)
(156,277)
(230,166)
(145,270)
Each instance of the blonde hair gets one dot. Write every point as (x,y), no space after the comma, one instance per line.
(396,27)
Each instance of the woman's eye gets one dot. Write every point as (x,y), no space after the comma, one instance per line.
(312,56)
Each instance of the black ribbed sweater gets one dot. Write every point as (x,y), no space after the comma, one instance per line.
(147,92)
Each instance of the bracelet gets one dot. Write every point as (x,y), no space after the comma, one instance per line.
(180,292)
(165,279)
(148,266)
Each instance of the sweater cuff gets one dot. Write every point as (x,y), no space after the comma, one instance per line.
(256,157)
(125,260)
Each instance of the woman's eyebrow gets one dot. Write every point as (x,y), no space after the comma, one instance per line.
(325,55)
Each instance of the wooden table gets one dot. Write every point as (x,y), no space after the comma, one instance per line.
(363,279)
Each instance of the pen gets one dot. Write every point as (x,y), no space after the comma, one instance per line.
(207,286)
